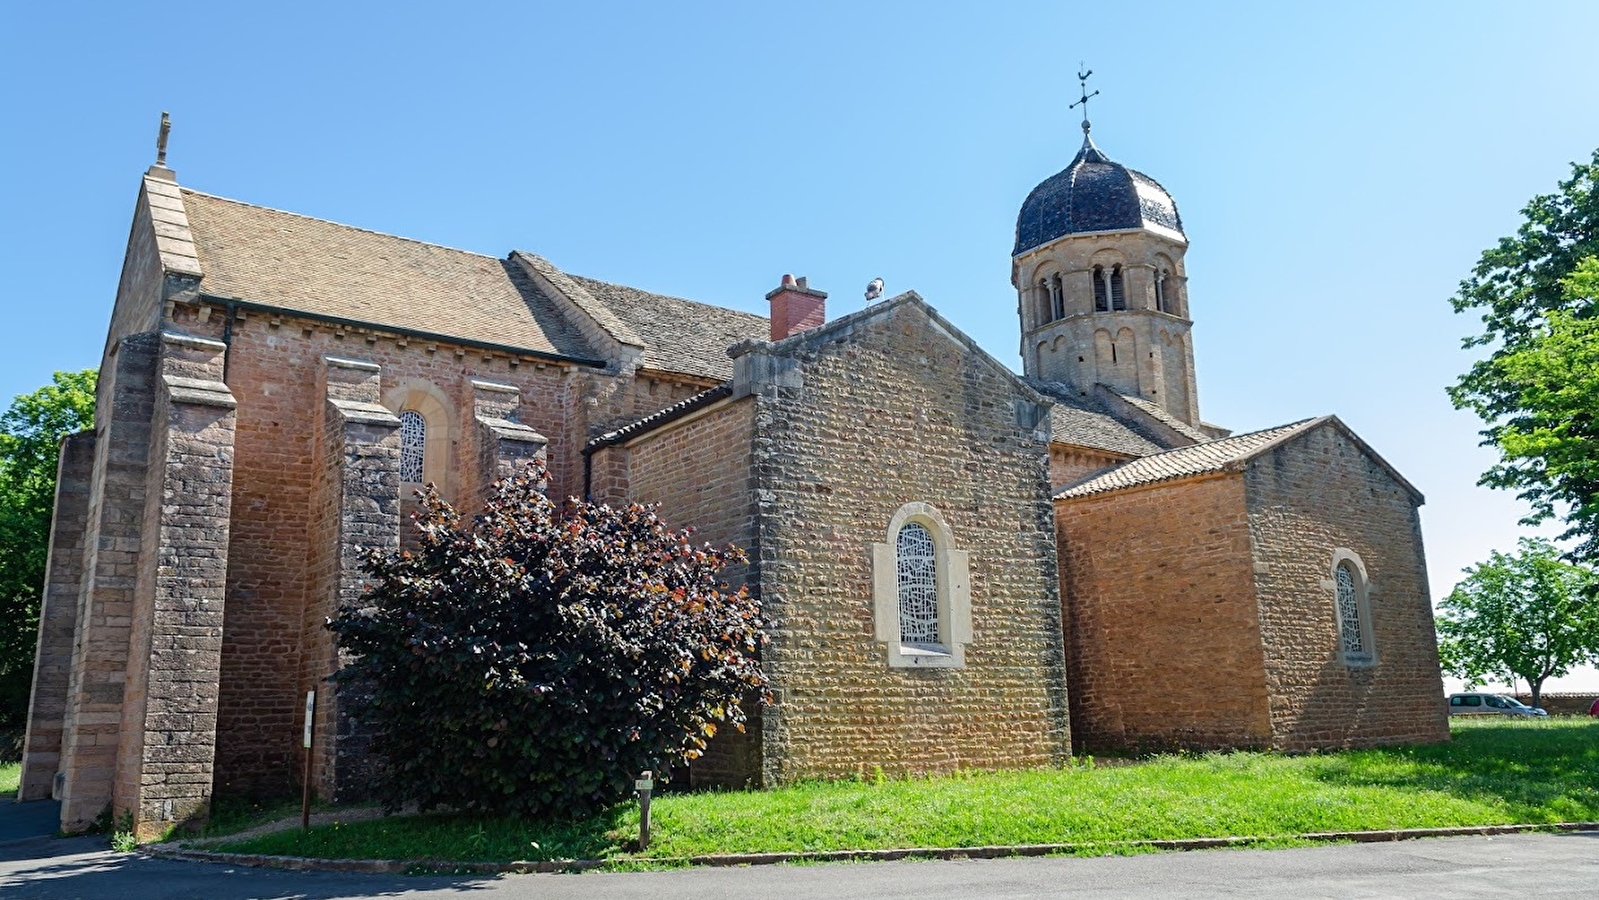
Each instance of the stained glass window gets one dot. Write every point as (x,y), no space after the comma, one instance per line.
(413,437)
(918,586)
(1349,624)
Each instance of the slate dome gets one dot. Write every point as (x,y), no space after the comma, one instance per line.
(1094,194)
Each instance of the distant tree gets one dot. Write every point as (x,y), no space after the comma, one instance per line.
(30,442)
(1538,294)
(1524,616)
(532,664)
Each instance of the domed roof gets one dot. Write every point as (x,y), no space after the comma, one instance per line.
(1094,194)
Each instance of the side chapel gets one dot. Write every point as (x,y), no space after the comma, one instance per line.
(963,567)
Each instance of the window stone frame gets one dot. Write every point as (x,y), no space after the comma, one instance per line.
(1364,590)
(953,576)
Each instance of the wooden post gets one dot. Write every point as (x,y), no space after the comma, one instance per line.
(645,784)
(305,795)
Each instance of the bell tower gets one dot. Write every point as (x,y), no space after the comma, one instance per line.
(1101,290)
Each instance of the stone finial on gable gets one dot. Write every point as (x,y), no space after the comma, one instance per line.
(796,306)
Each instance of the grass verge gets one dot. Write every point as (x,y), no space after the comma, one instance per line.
(10,777)
(1492,773)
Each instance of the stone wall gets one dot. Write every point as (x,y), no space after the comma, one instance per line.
(166,746)
(854,421)
(58,615)
(124,404)
(272,368)
(699,471)
(1159,603)
(1320,492)
(1069,465)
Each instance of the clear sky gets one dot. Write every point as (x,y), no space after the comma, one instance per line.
(1338,167)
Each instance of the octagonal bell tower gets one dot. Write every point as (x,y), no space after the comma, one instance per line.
(1098,271)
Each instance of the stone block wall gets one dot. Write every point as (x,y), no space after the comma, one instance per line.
(1069,465)
(52,667)
(1307,498)
(1165,645)
(125,399)
(871,413)
(166,746)
(357,493)
(273,623)
(699,471)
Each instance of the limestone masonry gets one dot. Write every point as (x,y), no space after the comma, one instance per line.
(963,567)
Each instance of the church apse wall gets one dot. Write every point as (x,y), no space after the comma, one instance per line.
(877,415)
(1165,646)
(1315,504)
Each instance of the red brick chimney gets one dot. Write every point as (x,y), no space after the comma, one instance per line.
(796,307)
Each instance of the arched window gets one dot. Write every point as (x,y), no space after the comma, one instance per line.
(916,576)
(1057,298)
(1352,602)
(1118,294)
(413,445)
(1160,291)
(921,601)
(1101,291)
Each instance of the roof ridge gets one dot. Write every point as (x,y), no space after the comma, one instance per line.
(372,231)
(633,287)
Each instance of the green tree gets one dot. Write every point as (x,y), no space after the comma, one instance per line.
(1538,294)
(30,437)
(532,664)
(1525,616)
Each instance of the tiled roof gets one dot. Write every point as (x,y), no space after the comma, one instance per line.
(656,419)
(1083,422)
(1185,462)
(1094,194)
(310,265)
(680,335)
(1157,412)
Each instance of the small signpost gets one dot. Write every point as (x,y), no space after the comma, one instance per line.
(644,785)
(305,741)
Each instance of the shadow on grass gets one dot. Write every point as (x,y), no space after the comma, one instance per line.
(1534,771)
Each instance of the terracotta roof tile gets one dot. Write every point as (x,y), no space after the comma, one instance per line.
(1184,462)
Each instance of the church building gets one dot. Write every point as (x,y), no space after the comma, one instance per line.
(963,567)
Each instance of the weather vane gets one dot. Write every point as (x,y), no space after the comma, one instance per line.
(1082,79)
(161,140)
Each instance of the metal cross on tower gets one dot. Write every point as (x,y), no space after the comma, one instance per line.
(1082,79)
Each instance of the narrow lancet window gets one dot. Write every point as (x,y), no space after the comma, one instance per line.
(917,574)
(1118,294)
(1350,626)
(413,438)
(1101,291)
(1057,298)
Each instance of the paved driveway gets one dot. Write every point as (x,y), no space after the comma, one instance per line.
(1522,867)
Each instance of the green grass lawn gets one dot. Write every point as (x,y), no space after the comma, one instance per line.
(1491,773)
(10,777)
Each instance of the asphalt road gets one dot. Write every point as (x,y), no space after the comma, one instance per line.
(1515,866)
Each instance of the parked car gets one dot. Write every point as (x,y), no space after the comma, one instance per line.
(1479,704)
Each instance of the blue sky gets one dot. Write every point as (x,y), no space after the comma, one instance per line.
(1338,167)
